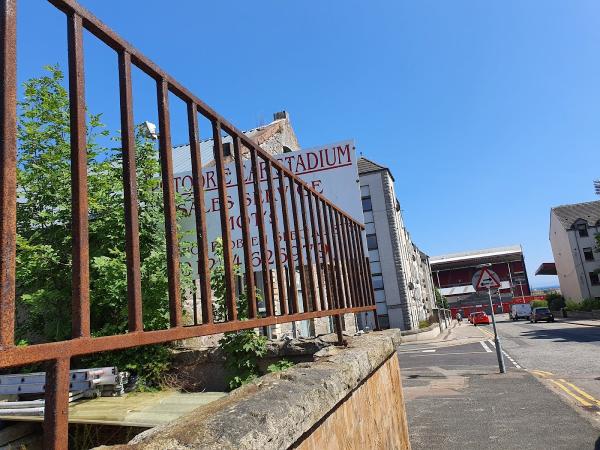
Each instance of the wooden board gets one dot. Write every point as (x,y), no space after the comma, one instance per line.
(140,409)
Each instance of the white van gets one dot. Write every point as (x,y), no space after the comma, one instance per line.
(520,311)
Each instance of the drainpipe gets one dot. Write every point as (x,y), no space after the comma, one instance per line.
(585,275)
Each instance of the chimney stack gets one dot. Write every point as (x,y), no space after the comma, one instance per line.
(281,115)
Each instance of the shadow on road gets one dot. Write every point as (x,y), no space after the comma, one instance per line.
(583,334)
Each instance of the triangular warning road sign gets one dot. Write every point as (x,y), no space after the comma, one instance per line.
(486,279)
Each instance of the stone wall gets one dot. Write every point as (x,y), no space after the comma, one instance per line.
(367,418)
(347,398)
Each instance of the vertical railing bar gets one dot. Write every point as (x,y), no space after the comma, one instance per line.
(337,258)
(326,301)
(132,240)
(349,268)
(79,187)
(360,262)
(365,267)
(298,240)
(346,266)
(319,273)
(353,261)
(166,165)
(332,301)
(326,244)
(309,264)
(247,242)
(262,235)
(281,284)
(8,169)
(288,243)
(343,260)
(56,406)
(225,227)
(200,216)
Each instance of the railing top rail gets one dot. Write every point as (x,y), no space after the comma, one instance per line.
(117,43)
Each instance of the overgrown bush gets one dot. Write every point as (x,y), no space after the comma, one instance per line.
(280,366)
(539,304)
(423,324)
(44,227)
(242,348)
(587,304)
(555,301)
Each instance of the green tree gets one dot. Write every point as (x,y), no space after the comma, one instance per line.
(44,228)
(555,301)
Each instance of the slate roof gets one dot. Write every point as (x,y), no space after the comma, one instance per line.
(568,214)
(367,166)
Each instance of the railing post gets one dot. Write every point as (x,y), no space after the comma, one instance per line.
(79,185)
(166,166)
(200,216)
(8,169)
(132,240)
(56,407)
(337,321)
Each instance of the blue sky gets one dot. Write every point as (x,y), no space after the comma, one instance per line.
(487,113)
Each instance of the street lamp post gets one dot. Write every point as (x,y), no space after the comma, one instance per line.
(499,354)
(487,279)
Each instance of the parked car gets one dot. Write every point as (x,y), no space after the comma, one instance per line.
(541,313)
(481,317)
(520,311)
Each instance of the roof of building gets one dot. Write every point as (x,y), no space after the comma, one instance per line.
(568,214)
(366,166)
(261,134)
(547,268)
(476,254)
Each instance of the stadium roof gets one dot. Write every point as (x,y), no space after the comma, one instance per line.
(497,254)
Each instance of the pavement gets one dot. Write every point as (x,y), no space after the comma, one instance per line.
(457,399)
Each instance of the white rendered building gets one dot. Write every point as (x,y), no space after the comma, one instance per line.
(401,274)
(572,236)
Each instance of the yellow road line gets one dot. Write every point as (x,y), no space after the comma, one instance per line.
(539,373)
(580,391)
(576,397)
(544,372)
(486,332)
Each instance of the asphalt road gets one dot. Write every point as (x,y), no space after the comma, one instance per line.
(456,399)
(567,353)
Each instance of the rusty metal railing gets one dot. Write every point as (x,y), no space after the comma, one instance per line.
(332,282)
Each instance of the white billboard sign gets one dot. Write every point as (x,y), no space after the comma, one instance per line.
(330,169)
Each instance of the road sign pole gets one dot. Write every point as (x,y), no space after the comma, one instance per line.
(499,355)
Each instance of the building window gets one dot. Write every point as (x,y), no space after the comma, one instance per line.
(384,321)
(374,255)
(371,241)
(226,146)
(582,229)
(594,279)
(369,217)
(365,191)
(369,228)
(377,282)
(366,204)
(375,267)
(588,254)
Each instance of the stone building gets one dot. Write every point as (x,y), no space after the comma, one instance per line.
(401,274)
